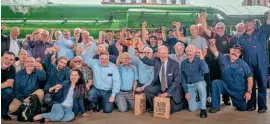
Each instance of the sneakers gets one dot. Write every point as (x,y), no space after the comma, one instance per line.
(203,113)
(6,117)
(214,110)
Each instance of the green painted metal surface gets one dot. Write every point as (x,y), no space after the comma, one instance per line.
(98,17)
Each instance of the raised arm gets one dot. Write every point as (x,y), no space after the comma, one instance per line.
(122,38)
(213,47)
(51,35)
(268,19)
(204,24)
(163,30)
(178,33)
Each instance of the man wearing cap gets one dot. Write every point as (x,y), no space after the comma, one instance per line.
(171,40)
(255,55)
(236,79)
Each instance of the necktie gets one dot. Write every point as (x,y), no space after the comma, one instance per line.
(163,79)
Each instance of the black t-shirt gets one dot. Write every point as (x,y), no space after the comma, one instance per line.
(8,73)
(222,43)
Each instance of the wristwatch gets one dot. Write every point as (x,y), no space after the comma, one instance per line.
(249,92)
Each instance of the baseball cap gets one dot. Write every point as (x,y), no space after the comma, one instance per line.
(237,46)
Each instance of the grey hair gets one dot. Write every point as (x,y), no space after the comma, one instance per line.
(241,23)
(191,47)
(220,23)
(179,44)
(147,48)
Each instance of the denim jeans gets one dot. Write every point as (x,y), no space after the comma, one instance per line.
(124,101)
(220,87)
(6,98)
(93,96)
(192,89)
(59,113)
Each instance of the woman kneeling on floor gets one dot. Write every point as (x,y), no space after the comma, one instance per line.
(71,94)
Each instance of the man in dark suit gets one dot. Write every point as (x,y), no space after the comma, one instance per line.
(10,43)
(166,82)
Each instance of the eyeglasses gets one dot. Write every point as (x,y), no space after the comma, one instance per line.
(147,52)
(77,61)
(66,34)
(220,28)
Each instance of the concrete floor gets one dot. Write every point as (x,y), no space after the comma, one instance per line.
(227,115)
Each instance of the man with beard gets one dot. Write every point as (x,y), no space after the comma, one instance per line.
(236,79)
(240,30)
(27,82)
(7,81)
(86,71)
(255,55)
(56,74)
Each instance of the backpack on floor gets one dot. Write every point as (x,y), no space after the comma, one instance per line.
(27,111)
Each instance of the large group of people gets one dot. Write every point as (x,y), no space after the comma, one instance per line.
(72,75)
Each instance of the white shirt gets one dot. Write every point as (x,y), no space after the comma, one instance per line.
(68,102)
(160,73)
(14,47)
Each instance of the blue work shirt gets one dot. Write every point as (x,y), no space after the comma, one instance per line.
(128,76)
(89,51)
(146,72)
(254,46)
(65,47)
(239,64)
(25,84)
(193,72)
(53,75)
(171,42)
(112,58)
(105,78)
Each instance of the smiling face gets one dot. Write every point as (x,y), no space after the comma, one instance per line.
(240,28)
(194,30)
(62,63)
(7,60)
(163,53)
(104,59)
(74,76)
(125,59)
(190,51)
(23,55)
(179,48)
(14,33)
(250,25)
(220,29)
(30,63)
(234,53)
(66,34)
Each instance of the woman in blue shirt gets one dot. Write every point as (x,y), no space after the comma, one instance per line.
(71,94)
